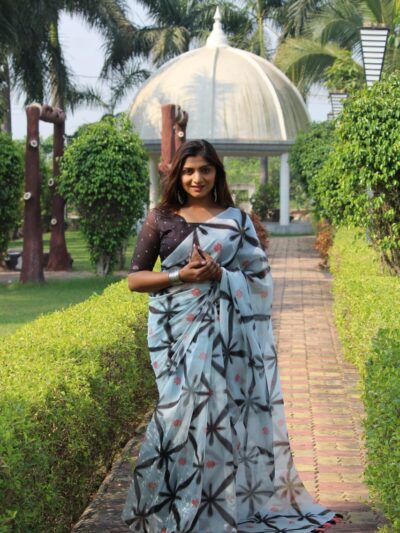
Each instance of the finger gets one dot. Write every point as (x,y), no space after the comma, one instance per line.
(204,269)
(207,255)
(197,263)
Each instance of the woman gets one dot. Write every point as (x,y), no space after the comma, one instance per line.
(216,455)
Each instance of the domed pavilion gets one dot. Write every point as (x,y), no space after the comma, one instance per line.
(240,102)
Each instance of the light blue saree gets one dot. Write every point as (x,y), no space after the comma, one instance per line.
(216,456)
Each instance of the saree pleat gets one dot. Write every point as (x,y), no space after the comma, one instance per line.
(216,456)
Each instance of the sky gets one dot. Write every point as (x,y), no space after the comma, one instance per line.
(84,55)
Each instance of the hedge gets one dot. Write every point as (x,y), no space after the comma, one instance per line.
(367,314)
(73,385)
(382,425)
(359,183)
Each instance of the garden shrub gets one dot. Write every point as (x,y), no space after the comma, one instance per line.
(367,314)
(364,168)
(264,200)
(104,176)
(382,423)
(11,185)
(324,241)
(365,299)
(73,385)
(307,157)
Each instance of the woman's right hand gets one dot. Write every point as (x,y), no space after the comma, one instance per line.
(198,269)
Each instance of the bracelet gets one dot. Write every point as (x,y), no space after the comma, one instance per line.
(174,277)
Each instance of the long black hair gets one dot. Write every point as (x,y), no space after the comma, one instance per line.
(172,183)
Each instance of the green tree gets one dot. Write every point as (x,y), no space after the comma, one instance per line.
(179,24)
(32,50)
(364,168)
(11,180)
(308,155)
(332,34)
(104,175)
(253,36)
(344,75)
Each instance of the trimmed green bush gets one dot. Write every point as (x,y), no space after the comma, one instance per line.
(73,385)
(11,185)
(104,174)
(264,200)
(367,314)
(307,157)
(359,184)
(365,299)
(382,424)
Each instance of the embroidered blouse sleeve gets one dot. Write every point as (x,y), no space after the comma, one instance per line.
(147,245)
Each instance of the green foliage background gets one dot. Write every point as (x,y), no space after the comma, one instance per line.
(306,159)
(104,175)
(359,184)
(367,314)
(11,187)
(77,383)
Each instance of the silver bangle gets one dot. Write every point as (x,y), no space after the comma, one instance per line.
(174,277)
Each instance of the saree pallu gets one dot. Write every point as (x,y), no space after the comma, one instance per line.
(216,456)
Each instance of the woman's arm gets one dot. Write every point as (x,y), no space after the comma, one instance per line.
(197,270)
(147,281)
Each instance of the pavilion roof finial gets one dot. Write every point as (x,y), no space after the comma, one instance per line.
(217,37)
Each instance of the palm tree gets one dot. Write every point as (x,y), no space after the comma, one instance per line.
(296,15)
(32,47)
(177,25)
(332,35)
(123,79)
(253,36)
(29,37)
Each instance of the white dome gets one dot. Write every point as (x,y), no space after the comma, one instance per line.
(233,97)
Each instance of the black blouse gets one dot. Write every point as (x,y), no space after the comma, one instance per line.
(160,234)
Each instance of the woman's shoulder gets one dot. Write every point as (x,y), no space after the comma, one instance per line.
(239,212)
(160,216)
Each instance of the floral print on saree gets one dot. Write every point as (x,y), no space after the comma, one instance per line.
(216,456)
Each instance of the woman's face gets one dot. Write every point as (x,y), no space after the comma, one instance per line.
(198,177)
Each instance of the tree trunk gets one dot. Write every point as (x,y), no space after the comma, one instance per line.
(6,98)
(32,256)
(121,257)
(263,170)
(103,266)
(58,257)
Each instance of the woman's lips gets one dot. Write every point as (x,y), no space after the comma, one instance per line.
(197,188)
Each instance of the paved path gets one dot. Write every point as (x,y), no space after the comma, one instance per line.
(323,408)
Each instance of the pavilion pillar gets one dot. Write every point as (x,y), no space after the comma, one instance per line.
(154,181)
(284,188)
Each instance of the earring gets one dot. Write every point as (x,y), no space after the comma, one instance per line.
(215,194)
(180,200)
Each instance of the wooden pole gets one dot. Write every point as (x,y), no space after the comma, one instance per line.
(32,255)
(54,115)
(173,134)
(58,257)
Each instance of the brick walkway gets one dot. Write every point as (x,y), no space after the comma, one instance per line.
(323,408)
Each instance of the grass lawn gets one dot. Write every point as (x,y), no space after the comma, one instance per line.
(23,303)
(77,248)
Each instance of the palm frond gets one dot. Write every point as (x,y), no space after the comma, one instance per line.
(298,14)
(340,22)
(123,81)
(304,61)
